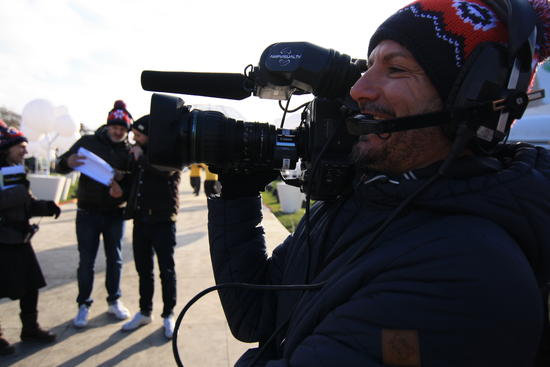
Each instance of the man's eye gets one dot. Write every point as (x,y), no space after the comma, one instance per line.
(394,69)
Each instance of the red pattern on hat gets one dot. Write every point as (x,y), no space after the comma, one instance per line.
(472,20)
(10,136)
(119,117)
(542,9)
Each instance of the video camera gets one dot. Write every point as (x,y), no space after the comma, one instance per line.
(179,135)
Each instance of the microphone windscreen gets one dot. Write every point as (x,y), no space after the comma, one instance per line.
(218,85)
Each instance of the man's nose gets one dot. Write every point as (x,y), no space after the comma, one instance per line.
(364,89)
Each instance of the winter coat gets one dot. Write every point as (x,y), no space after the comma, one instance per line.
(19,268)
(454,280)
(91,194)
(153,195)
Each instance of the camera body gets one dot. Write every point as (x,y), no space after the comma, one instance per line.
(180,136)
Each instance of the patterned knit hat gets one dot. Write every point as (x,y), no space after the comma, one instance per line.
(119,115)
(10,136)
(441,34)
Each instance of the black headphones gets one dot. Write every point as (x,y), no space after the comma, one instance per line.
(497,74)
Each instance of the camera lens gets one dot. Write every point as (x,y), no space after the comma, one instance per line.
(213,138)
(179,137)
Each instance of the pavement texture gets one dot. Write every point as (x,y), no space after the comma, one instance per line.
(203,339)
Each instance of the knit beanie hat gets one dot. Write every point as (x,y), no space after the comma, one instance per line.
(142,125)
(441,35)
(119,115)
(10,136)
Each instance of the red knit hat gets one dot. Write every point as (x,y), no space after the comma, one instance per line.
(119,115)
(10,136)
(441,34)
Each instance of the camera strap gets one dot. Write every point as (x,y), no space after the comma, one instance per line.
(515,104)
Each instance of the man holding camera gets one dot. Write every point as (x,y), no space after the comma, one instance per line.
(100,211)
(153,204)
(458,277)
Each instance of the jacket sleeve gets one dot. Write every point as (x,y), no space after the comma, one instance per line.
(41,208)
(12,197)
(238,254)
(61,165)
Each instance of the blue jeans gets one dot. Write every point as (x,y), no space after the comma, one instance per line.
(89,226)
(148,239)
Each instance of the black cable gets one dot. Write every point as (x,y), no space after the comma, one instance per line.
(271,287)
(295,109)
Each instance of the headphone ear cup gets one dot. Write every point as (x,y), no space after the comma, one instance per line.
(483,78)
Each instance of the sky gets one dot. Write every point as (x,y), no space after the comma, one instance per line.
(85,54)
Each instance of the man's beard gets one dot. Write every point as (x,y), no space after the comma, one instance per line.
(368,161)
(400,147)
(115,140)
(399,153)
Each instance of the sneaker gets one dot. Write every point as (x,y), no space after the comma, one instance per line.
(138,320)
(169,327)
(81,318)
(118,310)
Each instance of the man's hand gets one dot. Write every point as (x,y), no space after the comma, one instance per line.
(115,190)
(136,151)
(54,209)
(119,175)
(241,184)
(75,160)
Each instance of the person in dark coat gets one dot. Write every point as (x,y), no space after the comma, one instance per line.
(100,210)
(153,204)
(459,277)
(19,269)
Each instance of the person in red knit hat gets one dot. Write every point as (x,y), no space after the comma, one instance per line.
(20,273)
(100,210)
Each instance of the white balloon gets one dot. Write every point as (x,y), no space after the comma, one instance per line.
(60,111)
(63,143)
(38,115)
(35,149)
(30,133)
(65,126)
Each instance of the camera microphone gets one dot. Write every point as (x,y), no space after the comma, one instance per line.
(217,85)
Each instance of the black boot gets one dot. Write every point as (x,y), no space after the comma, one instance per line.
(5,347)
(32,332)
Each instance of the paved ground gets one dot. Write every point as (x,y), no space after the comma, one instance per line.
(204,339)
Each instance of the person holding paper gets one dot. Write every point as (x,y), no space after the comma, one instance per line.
(153,204)
(20,273)
(100,208)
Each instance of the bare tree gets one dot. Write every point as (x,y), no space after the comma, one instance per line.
(11,118)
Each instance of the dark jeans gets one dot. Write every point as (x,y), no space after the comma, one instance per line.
(89,226)
(195,184)
(148,239)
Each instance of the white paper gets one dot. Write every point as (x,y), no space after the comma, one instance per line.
(10,171)
(95,167)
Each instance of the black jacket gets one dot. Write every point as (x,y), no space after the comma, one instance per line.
(153,194)
(455,279)
(19,268)
(91,194)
